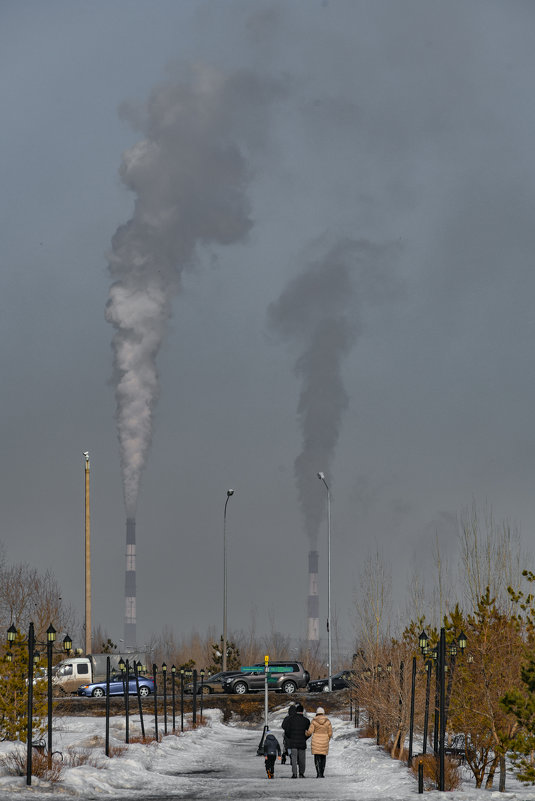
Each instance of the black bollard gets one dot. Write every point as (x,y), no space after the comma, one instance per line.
(420,776)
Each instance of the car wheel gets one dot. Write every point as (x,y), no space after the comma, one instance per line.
(325,688)
(206,690)
(98,692)
(289,687)
(241,688)
(144,691)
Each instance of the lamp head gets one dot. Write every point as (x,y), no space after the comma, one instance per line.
(321,476)
(230,492)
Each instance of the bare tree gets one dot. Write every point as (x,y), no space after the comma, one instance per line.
(491,556)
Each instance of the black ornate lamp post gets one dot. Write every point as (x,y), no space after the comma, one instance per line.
(439,654)
(50,638)
(173,677)
(164,674)
(33,659)
(411,724)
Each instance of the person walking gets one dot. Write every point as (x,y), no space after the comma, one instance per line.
(321,731)
(286,751)
(294,727)
(271,750)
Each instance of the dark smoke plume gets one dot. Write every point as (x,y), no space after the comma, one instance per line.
(190,175)
(319,312)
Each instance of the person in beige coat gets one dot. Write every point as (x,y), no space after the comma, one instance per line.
(321,731)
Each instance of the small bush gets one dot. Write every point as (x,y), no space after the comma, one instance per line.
(74,757)
(367,732)
(138,738)
(117,750)
(431,764)
(15,763)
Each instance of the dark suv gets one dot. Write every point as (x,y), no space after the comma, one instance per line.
(284,677)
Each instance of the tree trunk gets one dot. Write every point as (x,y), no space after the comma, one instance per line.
(492,771)
(502,774)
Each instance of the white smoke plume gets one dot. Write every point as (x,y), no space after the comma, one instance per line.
(190,175)
(320,313)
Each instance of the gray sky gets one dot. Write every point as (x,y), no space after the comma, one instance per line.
(399,134)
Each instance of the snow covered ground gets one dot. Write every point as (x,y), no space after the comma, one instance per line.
(219,761)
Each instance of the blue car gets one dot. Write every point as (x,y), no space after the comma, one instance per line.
(98,689)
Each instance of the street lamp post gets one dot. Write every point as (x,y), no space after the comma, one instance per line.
(230,492)
(439,654)
(164,672)
(321,477)
(173,677)
(33,658)
(50,637)
(182,699)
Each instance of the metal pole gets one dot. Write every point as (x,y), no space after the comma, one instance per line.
(49,645)
(164,671)
(87,560)
(107,706)
(31,648)
(437,697)
(194,701)
(127,702)
(329,635)
(411,726)
(428,668)
(182,699)
(154,674)
(173,675)
(202,689)
(442,657)
(266,671)
(139,704)
(321,476)
(230,492)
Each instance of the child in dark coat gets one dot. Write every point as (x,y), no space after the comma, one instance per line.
(271,750)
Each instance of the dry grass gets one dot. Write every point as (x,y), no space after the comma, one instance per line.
(74,757)
(15,764)
(452,777)
(117,750)
(367,732)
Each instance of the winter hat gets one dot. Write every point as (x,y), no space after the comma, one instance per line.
(320,711)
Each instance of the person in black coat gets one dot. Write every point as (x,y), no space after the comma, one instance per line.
(286,750)
(271,749)
(294,727)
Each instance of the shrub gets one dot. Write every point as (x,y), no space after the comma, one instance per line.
(431,764)
(15,763)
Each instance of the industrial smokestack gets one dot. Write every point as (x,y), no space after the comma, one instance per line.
(130,585)
(313,599)
(319,313)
